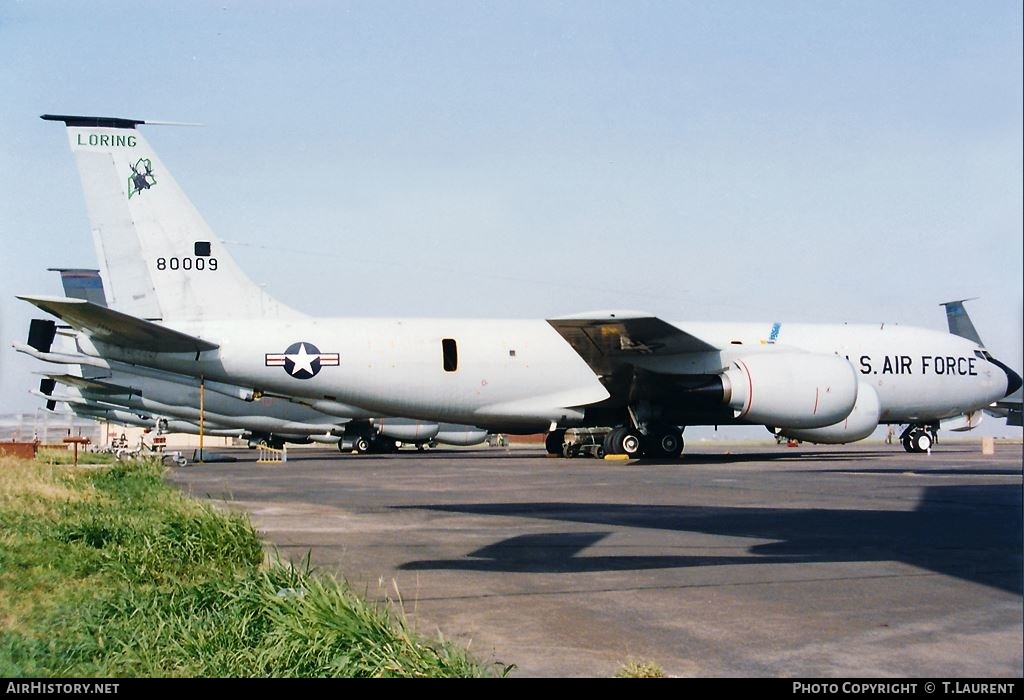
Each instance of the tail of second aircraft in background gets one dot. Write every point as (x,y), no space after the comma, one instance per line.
(1009,407)
(158,256)
(960,322)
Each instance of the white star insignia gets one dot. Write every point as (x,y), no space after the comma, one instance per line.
(302,360)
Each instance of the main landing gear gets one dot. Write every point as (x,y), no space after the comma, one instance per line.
(658,442)
(372,444)
(918,438)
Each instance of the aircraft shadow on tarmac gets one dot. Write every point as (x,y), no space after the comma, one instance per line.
(783,455)
(976,472)
(972,532)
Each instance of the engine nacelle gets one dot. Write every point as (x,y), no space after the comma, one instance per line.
(795,389)
(407,430)
(861,422)
(462,438)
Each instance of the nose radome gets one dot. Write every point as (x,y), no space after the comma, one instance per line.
(1013,380)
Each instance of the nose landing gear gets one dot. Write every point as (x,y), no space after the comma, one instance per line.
(918,438)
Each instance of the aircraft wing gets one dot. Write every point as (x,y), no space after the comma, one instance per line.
(116,328)
(608,341)
(92,385)
(66,398)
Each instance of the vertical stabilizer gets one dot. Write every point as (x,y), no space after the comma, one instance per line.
(959,322)
(82,283)
(158,256)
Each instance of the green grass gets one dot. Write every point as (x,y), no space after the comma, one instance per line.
(110,572)
(65,456)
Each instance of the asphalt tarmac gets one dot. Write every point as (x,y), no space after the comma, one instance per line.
(734,561)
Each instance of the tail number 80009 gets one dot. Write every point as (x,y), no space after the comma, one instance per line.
(186,263)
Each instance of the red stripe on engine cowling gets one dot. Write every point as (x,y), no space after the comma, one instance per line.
(750,387)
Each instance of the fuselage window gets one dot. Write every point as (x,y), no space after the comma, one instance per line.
(450,353)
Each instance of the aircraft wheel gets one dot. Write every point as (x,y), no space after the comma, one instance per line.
(613,441)
(631,443)
(666,442)
(361,445)
(922,441)
(907,445)
(553,442)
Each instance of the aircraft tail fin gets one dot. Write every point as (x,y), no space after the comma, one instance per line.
(960,322)
(159,258)
(82,283)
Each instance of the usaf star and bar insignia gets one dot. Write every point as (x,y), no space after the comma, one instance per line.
(302,360)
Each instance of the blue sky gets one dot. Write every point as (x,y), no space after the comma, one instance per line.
(793,161)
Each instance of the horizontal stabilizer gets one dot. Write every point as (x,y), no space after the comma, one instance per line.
(61,358)
(92,385)
(109,122)
(66,398)
(104,122)
(608,340)
(116,328)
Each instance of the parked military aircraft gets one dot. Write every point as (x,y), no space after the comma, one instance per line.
(164,397)
(193,312)
(171,403)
